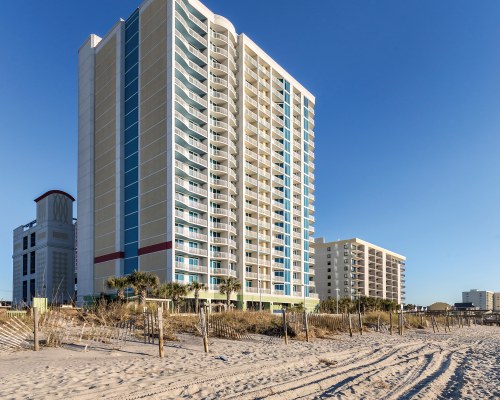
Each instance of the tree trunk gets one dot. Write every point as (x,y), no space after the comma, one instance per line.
(142,297)
(228,300)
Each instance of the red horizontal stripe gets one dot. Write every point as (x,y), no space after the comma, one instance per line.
(154,248)
(109,257)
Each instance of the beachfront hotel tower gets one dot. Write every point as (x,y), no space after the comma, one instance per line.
(354,267)
(195,159)
(44,252)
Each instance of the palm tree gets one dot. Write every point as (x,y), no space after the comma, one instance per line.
(172,290)
(228,286)
(120,283)
(196,287)
(141,282)
(345,303)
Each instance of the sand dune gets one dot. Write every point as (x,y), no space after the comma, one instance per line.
(420,365)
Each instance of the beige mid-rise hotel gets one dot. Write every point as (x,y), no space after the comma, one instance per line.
(196,158)
(354,267)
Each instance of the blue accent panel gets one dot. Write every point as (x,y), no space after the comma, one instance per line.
(131,148)
(306,196)
(131,235)
(132,190)
(132,219)
(131,206)
(131,133)
(287,187)
(131,176)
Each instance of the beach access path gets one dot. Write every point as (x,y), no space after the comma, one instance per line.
(463,364)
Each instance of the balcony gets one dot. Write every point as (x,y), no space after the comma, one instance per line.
(191,250)
(183,266)
(189,188)
(222,272)
(218,83)
(191,32)
(191,219)
(180,166)
(190,51)
(188,93)
(251,61)
(192,157)
(196,129)
(251,89)
(199,26)
(190,142)
(185,232)
(185,201)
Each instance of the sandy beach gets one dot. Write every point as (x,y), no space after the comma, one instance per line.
(463,364)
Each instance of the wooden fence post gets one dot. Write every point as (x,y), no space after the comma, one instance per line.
(350,325)
(36,344)
(390,322)
(401,322)
(285,328)
(360,323)
(204,327)
(160,332)
(306,325)
(378,323)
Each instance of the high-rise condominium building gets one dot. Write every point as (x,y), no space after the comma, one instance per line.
(353,267)
(44,252)
(480,298)
(196,158)
(496,301)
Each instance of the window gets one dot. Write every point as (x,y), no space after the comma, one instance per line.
(25,291)
(328,256)
(32,289)
(329,270)
(25,242)
(329,290)
(33,240)
(345,290)
(328,249)
(329,263)
(345,246)
(329,277)
(346,261)
(346,253)
(32,262)
(25,264)
(329,283)
(346,283)
(345,275)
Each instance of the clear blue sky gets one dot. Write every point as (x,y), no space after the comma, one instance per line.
(407,120)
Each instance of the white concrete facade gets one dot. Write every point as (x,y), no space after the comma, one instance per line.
(480,298)
(496,301)
(352,267)
(224,150)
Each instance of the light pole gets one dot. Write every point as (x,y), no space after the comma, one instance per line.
(337,301)
(260,294)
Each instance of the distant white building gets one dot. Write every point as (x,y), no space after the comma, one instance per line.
(496,301)
(44,252)
(354,267)
(483,299)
